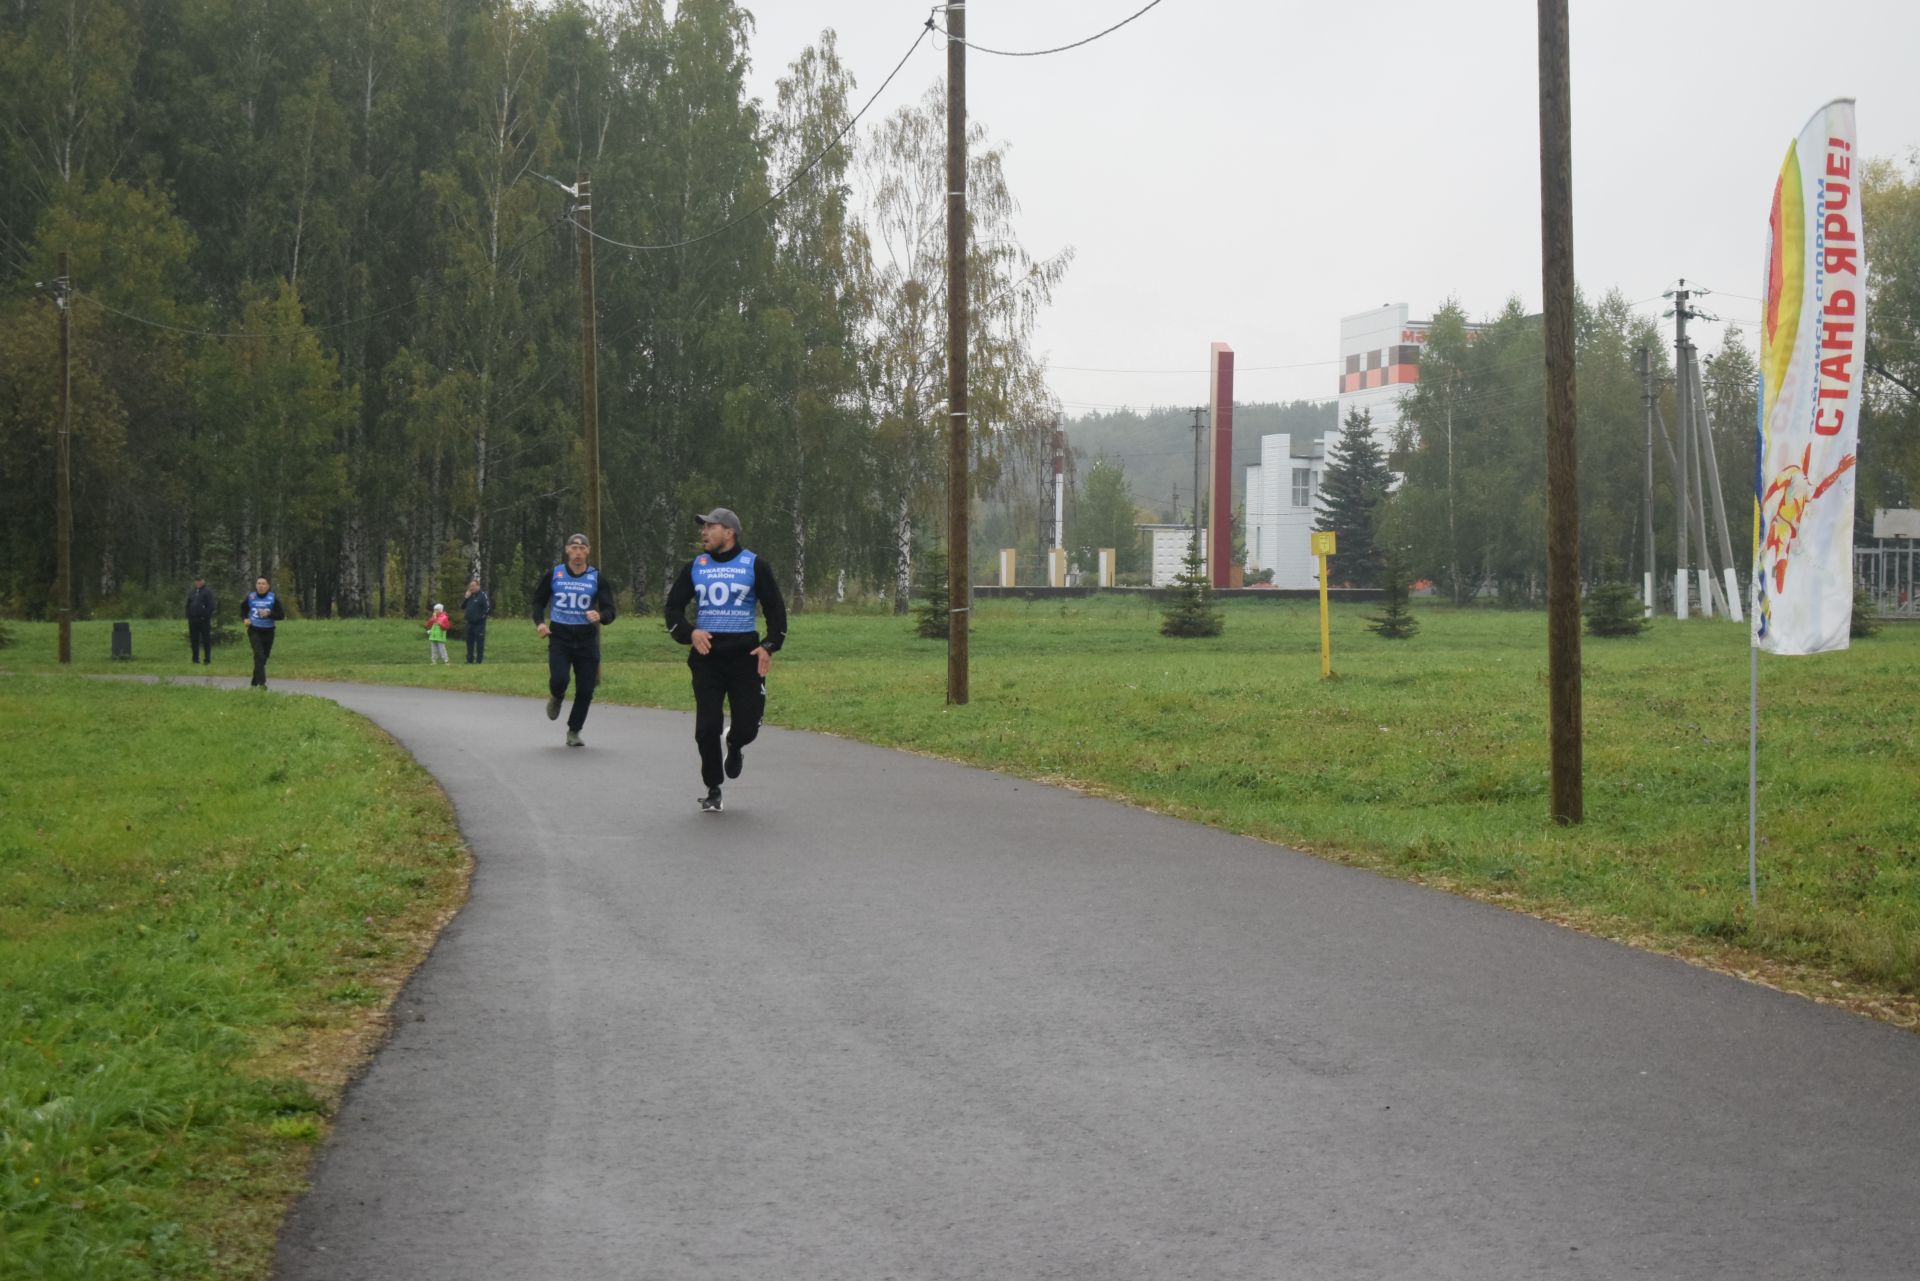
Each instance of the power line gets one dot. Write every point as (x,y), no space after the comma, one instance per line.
(792,182)
(1041,53)
(1238,369)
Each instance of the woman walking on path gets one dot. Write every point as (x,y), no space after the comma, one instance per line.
(262,610)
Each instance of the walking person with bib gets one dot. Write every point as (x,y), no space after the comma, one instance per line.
(729,660)
(261,610)
(571,603)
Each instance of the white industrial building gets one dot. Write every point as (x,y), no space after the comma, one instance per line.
(1379,368)
(1282,492)
(1380,364)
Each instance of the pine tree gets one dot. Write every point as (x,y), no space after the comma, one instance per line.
(1398,622)
(1351,490)
(1864,622)
(932,617)
(1191,609)
(1613,607)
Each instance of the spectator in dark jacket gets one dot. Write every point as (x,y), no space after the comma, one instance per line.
(200,621)
(477,607)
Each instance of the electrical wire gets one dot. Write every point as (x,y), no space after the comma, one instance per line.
(789,185)
(1041,53)
(1238,369)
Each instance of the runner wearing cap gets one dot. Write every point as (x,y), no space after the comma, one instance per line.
(729,659)
(570,605)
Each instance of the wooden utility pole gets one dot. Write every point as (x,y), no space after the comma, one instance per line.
(589,344)
(1199,434)
(1563,501)
(959,478)
(1650,575)
(1683,480)
(63,296)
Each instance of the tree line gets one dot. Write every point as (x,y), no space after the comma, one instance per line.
(1459,490)
(325,301)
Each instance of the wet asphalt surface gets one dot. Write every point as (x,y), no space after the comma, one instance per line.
(888,1017)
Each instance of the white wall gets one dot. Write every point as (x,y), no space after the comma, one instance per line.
(1277,531)
(1170,548)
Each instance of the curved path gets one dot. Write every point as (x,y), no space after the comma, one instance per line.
(890,1017)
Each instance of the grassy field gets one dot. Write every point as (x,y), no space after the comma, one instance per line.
(1424,758)
(207,900)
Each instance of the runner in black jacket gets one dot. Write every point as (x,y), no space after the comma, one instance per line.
(579,600)
(729,659)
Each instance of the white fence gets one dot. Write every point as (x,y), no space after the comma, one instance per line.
(1886,570)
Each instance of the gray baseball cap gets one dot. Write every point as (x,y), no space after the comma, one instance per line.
(720,516)
(578,538)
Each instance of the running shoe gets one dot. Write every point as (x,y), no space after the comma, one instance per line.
(736,760)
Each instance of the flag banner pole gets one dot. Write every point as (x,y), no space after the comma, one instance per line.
(1813,340)
(1753,776)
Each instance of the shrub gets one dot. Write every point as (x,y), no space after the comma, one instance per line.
(932,619)
(1398,622)
(1865,621)
(1613,607)
(1191,609)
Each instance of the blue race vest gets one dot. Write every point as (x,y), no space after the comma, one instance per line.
(260,609)
(723,590)
(573,597)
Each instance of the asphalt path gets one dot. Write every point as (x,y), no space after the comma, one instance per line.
(889,1017)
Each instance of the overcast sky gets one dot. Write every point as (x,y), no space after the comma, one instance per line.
(1249,171)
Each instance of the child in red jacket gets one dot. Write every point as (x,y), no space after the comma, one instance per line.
(437,624)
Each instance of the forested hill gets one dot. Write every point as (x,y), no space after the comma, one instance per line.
(1155,446)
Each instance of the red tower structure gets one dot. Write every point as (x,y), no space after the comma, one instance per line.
(1220,454)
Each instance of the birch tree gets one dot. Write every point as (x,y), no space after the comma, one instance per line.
(1007,399)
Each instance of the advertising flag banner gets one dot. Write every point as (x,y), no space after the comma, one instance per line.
(1813,340)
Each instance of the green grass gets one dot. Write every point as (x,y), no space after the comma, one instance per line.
(1424,758)
(206,899)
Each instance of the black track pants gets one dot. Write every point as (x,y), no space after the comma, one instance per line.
(581,659)
(734,678)
(261,638)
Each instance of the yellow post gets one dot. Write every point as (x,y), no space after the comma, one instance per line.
(1323,548)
